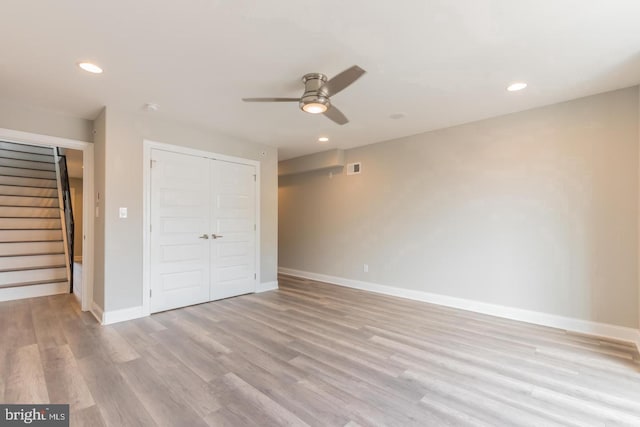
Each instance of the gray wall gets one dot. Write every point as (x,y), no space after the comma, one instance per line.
(76,185)
(536,210)
(100,140)
(28,119)
(123,187)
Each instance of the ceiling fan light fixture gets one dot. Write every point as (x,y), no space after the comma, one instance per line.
(314,107)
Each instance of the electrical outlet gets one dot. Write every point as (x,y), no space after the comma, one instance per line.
(365,267)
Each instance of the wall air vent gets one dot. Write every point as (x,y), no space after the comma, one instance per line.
(354,168)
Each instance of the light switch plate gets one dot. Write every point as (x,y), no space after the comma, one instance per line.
(123,212)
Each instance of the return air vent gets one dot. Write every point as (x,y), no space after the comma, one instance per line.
(354,168)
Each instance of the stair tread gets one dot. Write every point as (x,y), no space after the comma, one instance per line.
(22,206)
(27,217)
(4,156)
(43,267)
(9,229)
(34,254)
(26,148)
(29,207)
(25,195)
(26,177)
(30,186)
(36,282)
(32,241)
(30,169)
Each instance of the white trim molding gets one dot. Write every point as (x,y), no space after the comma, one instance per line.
(122,315)
(267,286)
(545,319)
(97,312)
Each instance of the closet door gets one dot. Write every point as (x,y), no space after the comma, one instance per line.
(233,245)
(180,230)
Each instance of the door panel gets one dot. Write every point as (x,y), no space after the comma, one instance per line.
(180,214)
(234,217)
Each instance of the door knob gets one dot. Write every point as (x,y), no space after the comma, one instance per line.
(204,236)
(216,236)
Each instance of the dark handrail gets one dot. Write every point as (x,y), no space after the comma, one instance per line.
(68,211)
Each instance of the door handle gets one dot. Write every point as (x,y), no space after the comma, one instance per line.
(204,236)
(216,236)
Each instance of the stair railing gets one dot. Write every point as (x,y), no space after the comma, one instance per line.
(68,211)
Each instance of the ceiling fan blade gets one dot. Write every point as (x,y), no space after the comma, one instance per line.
(343,80)
(271,99)
(336,115)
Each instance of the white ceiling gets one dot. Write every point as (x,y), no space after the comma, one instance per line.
(441,62)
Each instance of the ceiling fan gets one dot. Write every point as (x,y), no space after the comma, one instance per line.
(317,93)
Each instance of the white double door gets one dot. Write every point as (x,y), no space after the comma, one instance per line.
(203,234)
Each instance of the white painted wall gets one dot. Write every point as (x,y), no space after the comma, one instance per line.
(123,168)
(536,210)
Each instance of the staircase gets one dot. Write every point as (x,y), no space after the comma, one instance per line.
(32,246)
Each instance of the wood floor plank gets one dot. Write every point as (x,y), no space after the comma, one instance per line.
(25,382)
(65,383)
(313,354)
(118,404)
(199,394)
(264,408)
(89,417)
(166,406)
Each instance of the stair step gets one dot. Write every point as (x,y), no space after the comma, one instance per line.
(38,282)
(42,267)
(27,173)
(8,154)
(30,235)
(27,201)
(27,164)
(14,223)
(30,248)
(22,181)
(11,190)
(9,278)
(31,261)
(27,212)
(24,148)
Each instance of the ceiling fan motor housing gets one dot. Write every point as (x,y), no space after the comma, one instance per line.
(314,92)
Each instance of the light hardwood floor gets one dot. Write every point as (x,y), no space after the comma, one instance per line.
(312,354)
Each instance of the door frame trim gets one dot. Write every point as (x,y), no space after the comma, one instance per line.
(148,146)
(87,148)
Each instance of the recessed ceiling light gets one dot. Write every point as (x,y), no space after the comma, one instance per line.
(150,107)
(514,87)
(323,139)
(90,67)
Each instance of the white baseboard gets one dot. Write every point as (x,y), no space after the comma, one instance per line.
(97,312)
(267,286)
(545,319)
(115,316)
(33,291)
